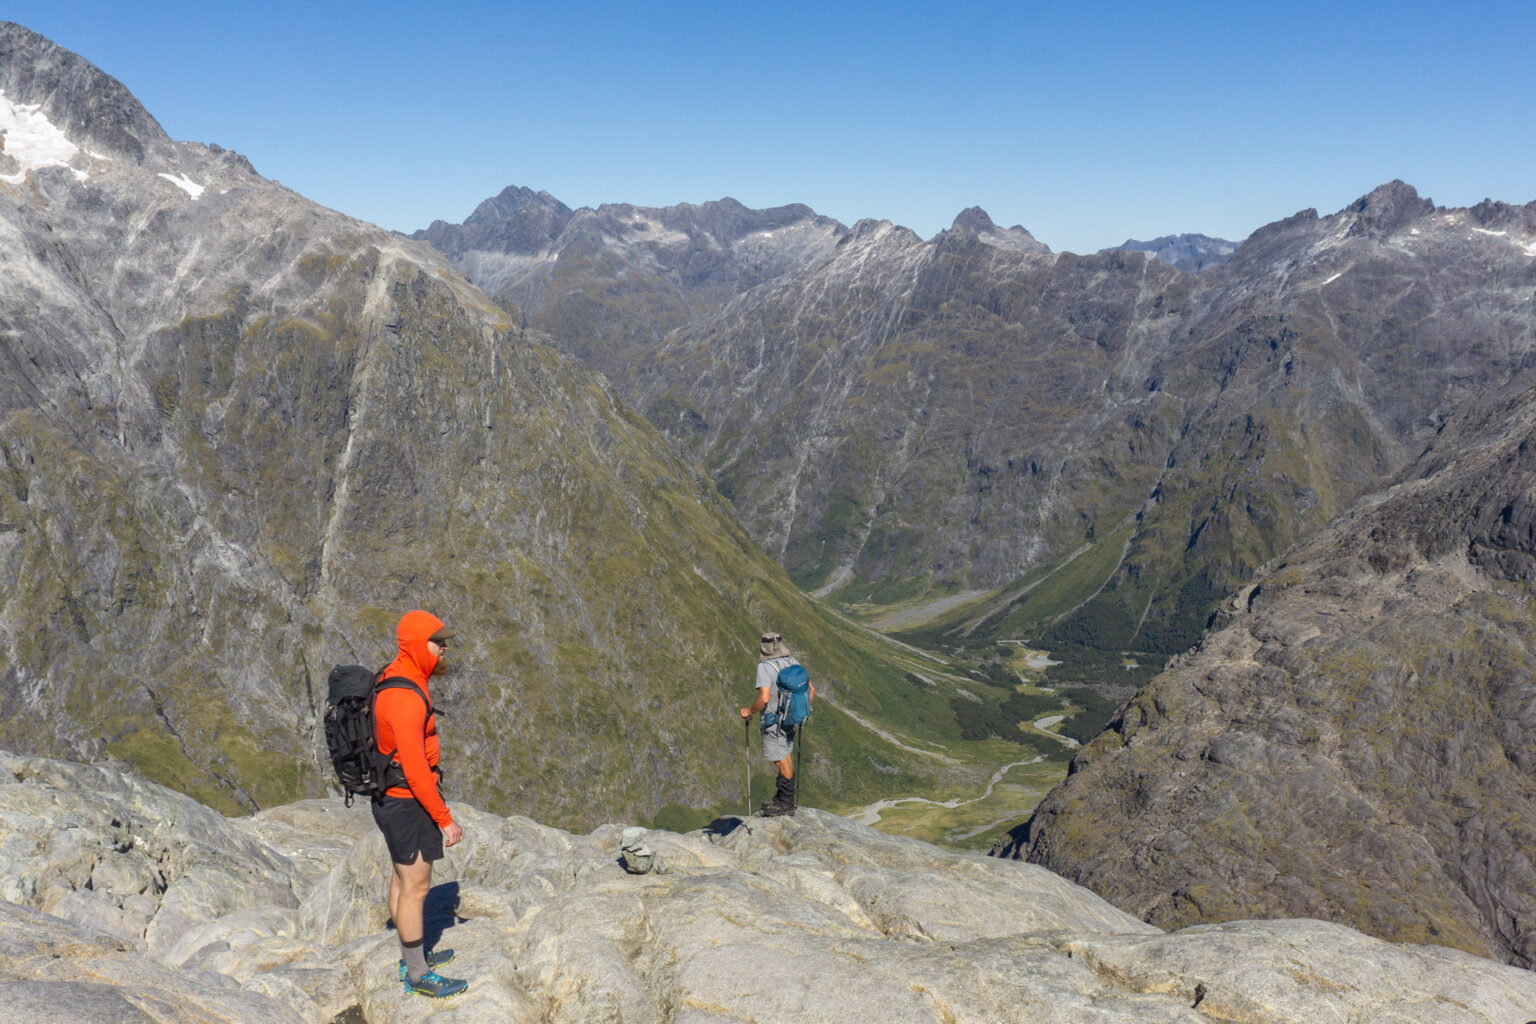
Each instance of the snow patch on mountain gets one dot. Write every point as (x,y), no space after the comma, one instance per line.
(33,141)
(494,271)
(650,231)
(1527,246)
(184,183)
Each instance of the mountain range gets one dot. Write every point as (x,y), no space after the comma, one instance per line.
(900,421)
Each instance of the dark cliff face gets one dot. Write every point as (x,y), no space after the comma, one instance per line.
(241,434)
(1356,739)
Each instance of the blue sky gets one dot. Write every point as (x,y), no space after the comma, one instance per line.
(1087,122)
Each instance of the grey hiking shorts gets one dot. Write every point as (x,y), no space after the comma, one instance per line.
(779,742)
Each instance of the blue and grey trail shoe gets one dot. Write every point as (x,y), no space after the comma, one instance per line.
(435,959)
(435,986)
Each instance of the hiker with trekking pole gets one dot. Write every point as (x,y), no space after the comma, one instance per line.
(784,695)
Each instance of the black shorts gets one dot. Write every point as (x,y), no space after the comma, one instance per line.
(408,829)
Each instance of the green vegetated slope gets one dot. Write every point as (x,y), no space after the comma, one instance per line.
(297,483)
(242,434)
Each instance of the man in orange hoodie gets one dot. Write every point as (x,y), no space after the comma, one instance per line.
(413,817)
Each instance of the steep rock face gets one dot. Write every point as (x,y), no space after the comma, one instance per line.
(1354,741)
(896,412)
(241,434)
(905,417)
(149,907)
(85,105)
(607,284)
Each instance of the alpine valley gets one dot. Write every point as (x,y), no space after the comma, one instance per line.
(1265,509)
(983,447)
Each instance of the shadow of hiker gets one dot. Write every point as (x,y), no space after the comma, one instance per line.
(440,912)
(724,826)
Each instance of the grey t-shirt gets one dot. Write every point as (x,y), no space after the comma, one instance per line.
(768,677)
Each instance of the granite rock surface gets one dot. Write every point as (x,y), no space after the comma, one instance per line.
(279,918)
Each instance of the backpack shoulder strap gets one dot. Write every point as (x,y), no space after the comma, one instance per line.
(402,683)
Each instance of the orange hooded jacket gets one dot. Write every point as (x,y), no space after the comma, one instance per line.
(401,721)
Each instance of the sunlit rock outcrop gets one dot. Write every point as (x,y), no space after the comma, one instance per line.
(124,898)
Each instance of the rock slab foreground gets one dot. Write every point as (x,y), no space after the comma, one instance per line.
(125,902)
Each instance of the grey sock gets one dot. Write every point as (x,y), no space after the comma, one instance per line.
(415,956)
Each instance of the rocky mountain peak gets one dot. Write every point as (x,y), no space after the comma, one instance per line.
(1388,209)
(516,221)
(974,222)
(517,201)
(870,229)
(90,108)
(973,219)
(1192,252)
(1493,214)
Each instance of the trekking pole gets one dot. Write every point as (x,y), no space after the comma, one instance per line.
(746,737)
(805,758)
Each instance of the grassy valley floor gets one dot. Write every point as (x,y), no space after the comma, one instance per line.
(1019,711)
(990,784)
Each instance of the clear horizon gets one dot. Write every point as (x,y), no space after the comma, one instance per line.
(1088,124)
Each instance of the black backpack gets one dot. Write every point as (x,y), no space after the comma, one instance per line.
(350,735)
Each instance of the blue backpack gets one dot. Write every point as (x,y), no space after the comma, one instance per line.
(794,684)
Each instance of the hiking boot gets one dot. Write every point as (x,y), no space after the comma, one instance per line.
(435,959)
(435,986)
(783,801)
